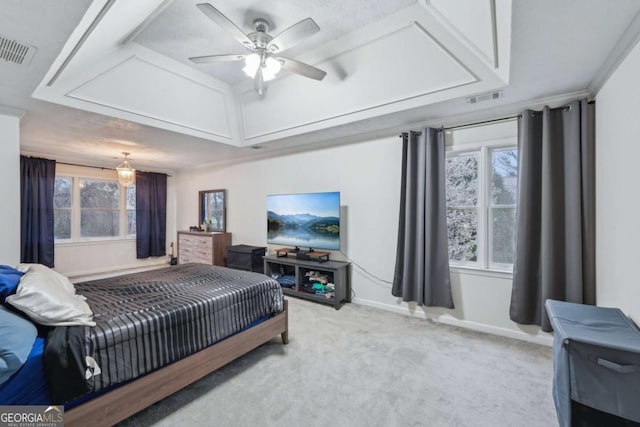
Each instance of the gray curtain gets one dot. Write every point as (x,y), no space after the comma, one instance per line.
(422,258)
(555,225)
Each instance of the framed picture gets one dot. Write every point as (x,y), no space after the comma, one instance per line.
(212,210)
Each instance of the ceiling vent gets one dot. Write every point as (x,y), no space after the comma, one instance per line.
(484,97)
(15,51)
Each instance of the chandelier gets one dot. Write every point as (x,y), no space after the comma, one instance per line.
(126,174)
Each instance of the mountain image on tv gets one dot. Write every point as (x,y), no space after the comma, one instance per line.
(309,220)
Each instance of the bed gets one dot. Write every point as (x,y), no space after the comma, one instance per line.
(155,332)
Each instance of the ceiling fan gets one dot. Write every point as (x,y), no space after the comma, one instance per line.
(263,62)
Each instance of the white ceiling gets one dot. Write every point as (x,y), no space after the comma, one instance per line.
(557,48)
(168,34)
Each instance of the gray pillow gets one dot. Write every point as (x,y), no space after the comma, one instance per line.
(18,335)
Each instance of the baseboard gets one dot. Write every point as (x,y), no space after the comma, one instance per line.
(544,339)
(82,276)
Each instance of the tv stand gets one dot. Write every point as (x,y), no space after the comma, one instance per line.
(298,276)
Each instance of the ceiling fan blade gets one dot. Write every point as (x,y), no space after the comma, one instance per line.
(292,35)
(217,58)
(259,82)
(216,16)
(301,68)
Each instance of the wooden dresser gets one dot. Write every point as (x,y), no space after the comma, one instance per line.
(206,248)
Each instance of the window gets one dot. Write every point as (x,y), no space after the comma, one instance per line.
(99,208)
(481,193)
(87,208)
(131,210)
(462,207)
(62,203)
(502,206)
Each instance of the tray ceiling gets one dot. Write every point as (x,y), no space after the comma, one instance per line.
(392,65)
(129,60)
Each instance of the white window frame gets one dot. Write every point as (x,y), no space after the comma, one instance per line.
(76,212)
(483,150)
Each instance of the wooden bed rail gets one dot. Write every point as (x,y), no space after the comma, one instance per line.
(122,402)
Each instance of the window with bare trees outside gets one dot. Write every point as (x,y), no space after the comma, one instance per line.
(502,206)
(93,209)
(62,204)
(481,193)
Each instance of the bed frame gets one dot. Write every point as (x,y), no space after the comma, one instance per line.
(119,404)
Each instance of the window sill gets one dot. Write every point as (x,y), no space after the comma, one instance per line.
(93,242)
(501,274)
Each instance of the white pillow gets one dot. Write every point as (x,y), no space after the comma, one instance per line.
(49,298)
(51,275)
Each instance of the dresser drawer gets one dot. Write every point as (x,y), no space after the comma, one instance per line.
(189,240)
(196,254)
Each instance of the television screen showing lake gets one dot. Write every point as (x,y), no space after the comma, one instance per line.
(310,220)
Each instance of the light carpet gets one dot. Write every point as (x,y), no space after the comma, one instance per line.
(360,366)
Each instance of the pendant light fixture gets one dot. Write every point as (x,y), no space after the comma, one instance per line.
(126,174)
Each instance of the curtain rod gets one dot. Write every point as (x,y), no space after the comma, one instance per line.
(470,124)
(564,107)
(483,122)
(93,167)
(86,166)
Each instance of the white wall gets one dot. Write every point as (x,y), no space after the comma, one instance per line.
(617,196)
(10,192)
(88,259)
(367,174)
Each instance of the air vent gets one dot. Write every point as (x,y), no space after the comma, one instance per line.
(15,51)
(484,97)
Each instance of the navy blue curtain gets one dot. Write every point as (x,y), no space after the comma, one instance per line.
(151,214)
(37,181)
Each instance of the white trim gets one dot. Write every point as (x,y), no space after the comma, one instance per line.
(477,271)
(483,215)
(18,113)
(83,275)
(92,241)
(541,338)
(618,53)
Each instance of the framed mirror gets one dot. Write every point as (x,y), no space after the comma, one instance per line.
(212,210)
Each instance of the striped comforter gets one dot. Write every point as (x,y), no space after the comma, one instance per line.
(147,320)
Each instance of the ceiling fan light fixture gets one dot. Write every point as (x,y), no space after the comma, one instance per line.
(126,174)
(251,65)
(267,74)
(260,65)
(273,65)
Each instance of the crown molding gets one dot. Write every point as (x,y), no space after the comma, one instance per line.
(12,111)
(618,54)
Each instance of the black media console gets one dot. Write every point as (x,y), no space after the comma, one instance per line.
(324,282)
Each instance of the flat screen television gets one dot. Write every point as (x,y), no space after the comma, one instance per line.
(308,220)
